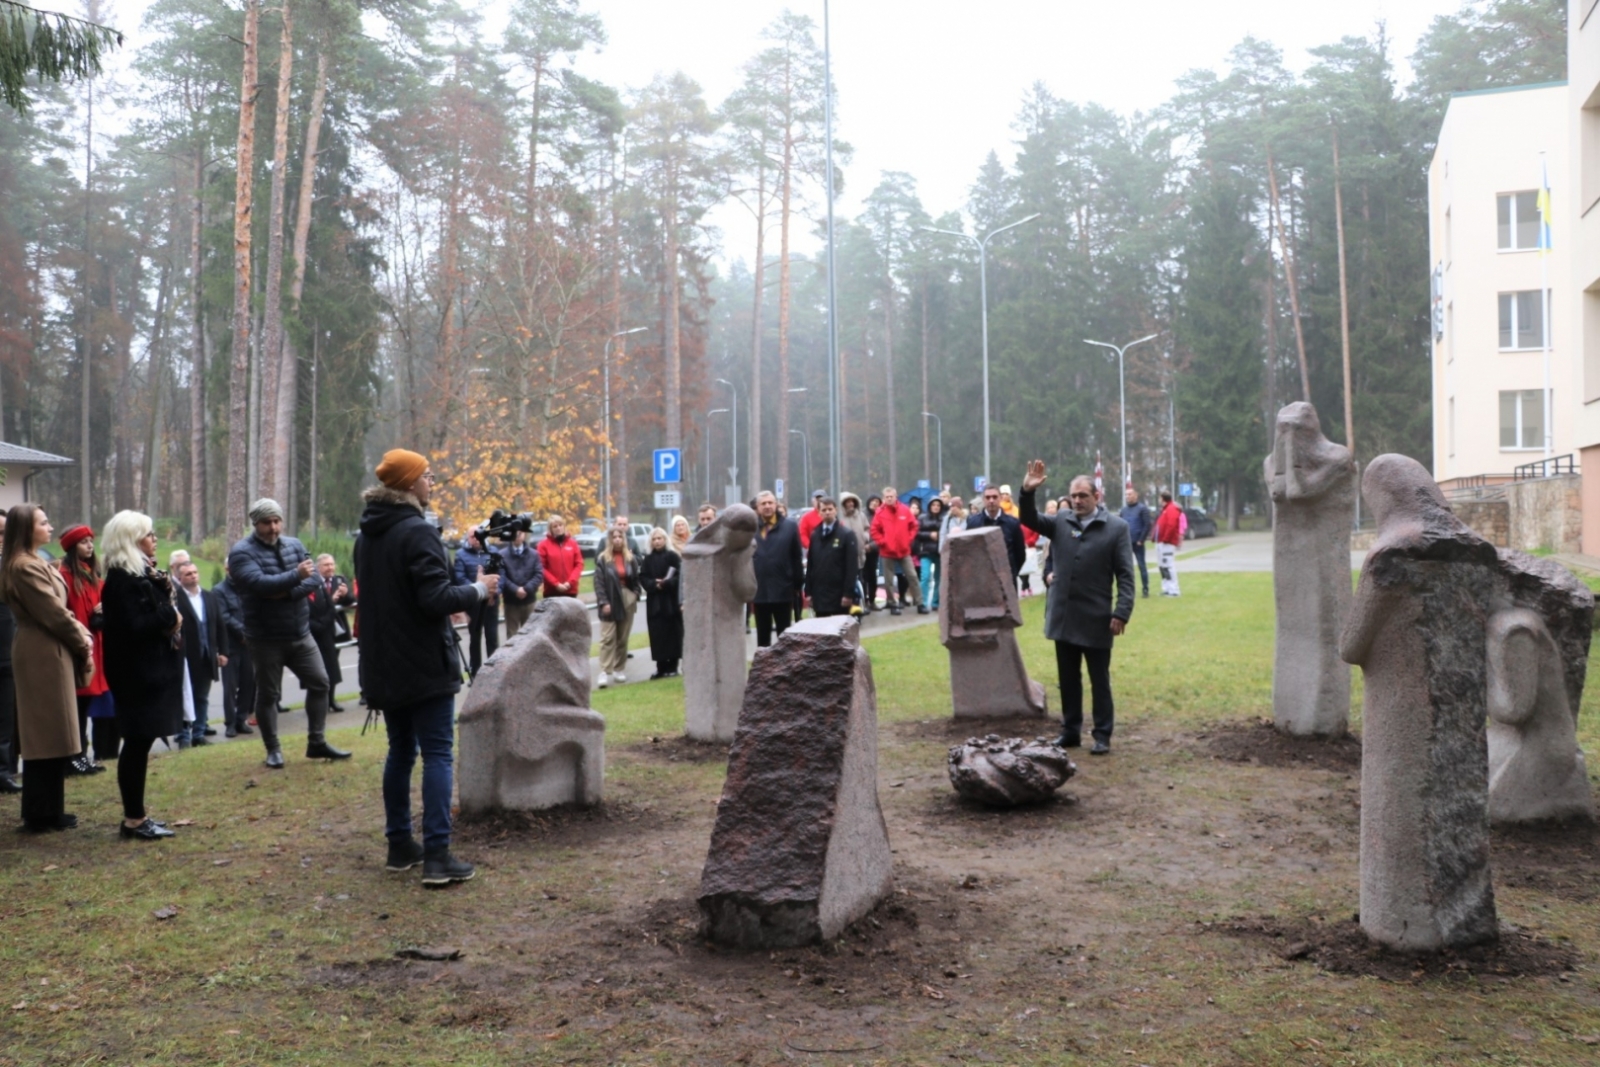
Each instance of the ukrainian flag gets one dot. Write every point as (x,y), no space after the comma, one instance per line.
(1544,209)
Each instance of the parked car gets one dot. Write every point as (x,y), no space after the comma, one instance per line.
(639,537)
(1200,523)
(590,536)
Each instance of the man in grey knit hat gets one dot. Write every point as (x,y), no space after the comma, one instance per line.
(275,577)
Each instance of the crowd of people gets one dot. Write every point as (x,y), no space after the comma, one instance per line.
(104,654)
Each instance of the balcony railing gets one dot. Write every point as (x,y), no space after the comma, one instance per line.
(1546,468)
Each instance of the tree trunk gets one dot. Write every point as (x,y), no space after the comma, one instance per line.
(239,373)
(888,378)
(672,323)
(86,411)
(197,361)
(786,201)
(927,453)
(158,396)
(275,444)
(755,327)
(1344,299)
(1294,285)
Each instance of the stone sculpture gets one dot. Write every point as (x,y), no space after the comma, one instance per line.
(800,850)
(1416,629)
(1006,773)
(978,611)
(1536,769)
(529,739)
(719,578)
(1313,487)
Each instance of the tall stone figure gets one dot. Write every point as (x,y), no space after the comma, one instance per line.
(1416,629)
(978,617)
(529,739)
(719,578)
(1313,487)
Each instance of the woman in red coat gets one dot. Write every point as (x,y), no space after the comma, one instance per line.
(80,569)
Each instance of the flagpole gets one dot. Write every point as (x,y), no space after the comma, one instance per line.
(1545,241)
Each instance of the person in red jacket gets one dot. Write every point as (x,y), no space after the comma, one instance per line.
(561,559)
(893,530)
(811,520)
(1169,535)
(79,569)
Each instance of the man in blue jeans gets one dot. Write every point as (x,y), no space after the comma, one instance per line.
(410,667)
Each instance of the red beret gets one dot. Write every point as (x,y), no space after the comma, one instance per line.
(70,539)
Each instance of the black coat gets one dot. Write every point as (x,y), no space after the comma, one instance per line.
(663,610)
(1085,557)
(608,587)
(408,649)
(202,661)
(232,612)
(1010,528)
(143,667)
(926,545)
(832,566)
(273,594)
(520,572)
(325,615)
(8,630)
(780,569)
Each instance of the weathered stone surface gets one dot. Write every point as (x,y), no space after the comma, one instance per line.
(1007,772)
(1416,629)
(978,612)
(719,578)
(800,850)
(528,738)
(1536,770)
(1313,487)
(1563,603)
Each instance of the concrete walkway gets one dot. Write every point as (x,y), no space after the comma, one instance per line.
(1234,552)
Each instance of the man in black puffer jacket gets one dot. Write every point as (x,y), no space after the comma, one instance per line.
(410,666)
(275,579)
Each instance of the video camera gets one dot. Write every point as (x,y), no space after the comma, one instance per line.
(504,527)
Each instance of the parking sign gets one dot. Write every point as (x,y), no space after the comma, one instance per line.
(668,466)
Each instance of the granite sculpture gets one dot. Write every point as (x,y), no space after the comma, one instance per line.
(719,578)
(528,738)
(1536,769)
(1313,487)
(1009,772)
(800,850)
(978,612)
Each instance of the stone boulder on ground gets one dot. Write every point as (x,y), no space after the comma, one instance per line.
(1009,772)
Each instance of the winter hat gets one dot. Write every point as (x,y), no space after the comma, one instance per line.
(400,468)
(70,539)
(265,508)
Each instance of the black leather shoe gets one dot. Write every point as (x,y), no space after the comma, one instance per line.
(1101,748)
(78,765)
(9,784)
(323,750)
(894,611)
(442,869)
(404,854)
(1070,741)
(198,741)
(60,822)
(275,760)
(922,609)
(149,830)
(336,708)
(211,731)
(242,730)
(230,732)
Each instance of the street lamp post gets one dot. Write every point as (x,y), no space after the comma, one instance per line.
(805,453)
(1172,425)
(938,425)
(835,416)
(713,411)
(983,301)
(605,374)
(1122,395)
(733,438)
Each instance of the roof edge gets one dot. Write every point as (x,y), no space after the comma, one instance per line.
(1508,89)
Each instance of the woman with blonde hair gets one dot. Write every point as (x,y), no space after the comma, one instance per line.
(51,655)
(616,593)
(680,534)
(144,659)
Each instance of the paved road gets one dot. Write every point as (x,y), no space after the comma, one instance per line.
(1235,552)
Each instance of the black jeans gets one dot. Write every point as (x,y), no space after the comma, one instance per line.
(44,791)
(772,618)
(302,658)
(238,688)
(131,773)
(8,721)
(483,634)
(1144,575)
(1069,658)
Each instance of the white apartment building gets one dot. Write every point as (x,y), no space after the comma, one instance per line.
(1582,232)
(1490,285)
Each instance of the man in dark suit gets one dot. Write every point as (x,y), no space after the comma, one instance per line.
(991,515)
(1089,549)
(238,679)
(832,563)
(327,622)
(205,647)
(778,565)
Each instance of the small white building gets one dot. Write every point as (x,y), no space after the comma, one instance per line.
(1581,285)
(17,466)
(1490,279)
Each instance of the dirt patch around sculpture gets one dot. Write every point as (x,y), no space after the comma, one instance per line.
(680,748)
(1560,859)
(1344,948)
(1259,742)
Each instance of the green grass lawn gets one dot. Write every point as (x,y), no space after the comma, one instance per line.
(577,935)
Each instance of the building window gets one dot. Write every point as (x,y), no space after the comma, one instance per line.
(1521,320)
(1522,419)
(1452,428)
(1519,221)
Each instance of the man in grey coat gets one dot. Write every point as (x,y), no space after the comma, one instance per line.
(1088,548)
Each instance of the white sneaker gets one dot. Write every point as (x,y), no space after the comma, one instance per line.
(600,683)
(619,679)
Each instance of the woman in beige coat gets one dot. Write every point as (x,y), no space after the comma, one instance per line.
(52,657)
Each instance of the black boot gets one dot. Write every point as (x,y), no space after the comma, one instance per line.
(441,868)
(323,750)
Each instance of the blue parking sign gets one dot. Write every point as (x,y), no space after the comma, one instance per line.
(668,466)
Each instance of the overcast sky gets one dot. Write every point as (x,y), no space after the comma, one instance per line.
(932,86)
